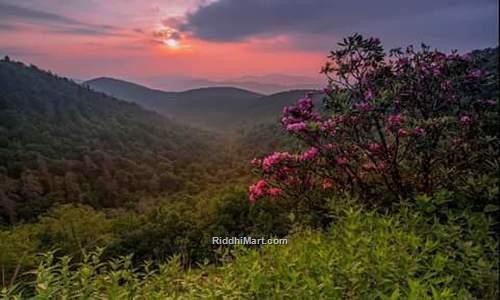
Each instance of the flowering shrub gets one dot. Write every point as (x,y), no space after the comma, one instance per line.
(395,125)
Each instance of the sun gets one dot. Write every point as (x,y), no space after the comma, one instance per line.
(172,43)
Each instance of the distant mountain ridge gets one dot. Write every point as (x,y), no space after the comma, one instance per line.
(220,108)
(263,84)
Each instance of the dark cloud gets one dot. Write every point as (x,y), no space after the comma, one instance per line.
(19,52)
(451,22)
(7,27)
(17,12)
(86,31)
(52,22)
(173,21)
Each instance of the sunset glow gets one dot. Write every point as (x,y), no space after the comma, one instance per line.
(172,43)
(149,42)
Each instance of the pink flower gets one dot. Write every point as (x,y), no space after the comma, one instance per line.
(296,127)
(340,119)
(374,147)
(309,154)
(295,117)
(256,162)
(327,184)
(274,192)
(328,126)
(257,190)
(395,120)
(274,159)
(341,160)
(419,131)
(305,103)
(402,132)
(465,120)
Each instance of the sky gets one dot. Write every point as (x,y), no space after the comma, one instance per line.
(152,41)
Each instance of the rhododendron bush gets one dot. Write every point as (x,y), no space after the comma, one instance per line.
(393,126)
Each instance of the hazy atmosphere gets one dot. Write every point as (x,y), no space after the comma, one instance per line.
(249,149)
(177,44)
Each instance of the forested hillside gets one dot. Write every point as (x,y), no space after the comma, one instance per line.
(63,143)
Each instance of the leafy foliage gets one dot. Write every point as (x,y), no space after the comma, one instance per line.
(364,256)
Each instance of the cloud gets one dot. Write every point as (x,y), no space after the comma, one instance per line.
(51,21)
(87,31)
(18,12)
(309,22)
(160,35)
(173,21)
(7,27)
(15,51)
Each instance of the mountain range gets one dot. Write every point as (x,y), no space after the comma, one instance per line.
(219,108)
(263,84)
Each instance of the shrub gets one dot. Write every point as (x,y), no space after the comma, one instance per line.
(397,125)
(365,255)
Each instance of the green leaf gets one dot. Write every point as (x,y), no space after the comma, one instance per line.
(490,208)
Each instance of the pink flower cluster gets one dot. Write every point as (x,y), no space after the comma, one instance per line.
(394,121)
(270,161)
(327,184)
(374,147)
(261,188)
(341,160)
(403,132)
(296,127)
(274,159)
(309,154)
(465,120)
(295,118)
(418,131)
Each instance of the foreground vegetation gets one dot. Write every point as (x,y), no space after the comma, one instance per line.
(388,191)
(363,255)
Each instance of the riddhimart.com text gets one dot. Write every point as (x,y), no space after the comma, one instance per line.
(247,240)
